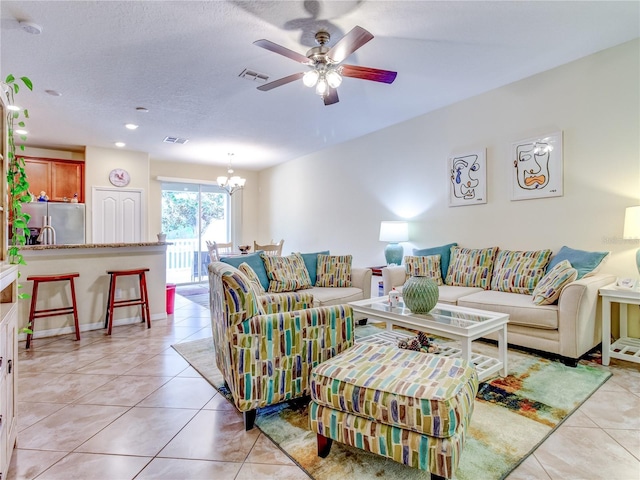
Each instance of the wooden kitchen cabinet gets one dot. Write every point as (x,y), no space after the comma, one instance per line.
(59,178)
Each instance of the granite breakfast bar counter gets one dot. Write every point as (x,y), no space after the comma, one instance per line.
(91,261)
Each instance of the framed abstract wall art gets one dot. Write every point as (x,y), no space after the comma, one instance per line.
(468,178)
(536,167)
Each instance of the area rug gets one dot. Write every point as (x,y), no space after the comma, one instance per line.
(512,416)
(196,293)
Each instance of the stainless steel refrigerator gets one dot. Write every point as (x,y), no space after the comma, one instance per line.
(67,219)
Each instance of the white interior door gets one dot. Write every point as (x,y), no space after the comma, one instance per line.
(118,216)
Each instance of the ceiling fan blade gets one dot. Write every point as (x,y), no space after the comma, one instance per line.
(274,47)
(282,81)
(366,73)
(331,97)
(348,44)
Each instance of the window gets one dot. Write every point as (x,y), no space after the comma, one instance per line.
(192,214)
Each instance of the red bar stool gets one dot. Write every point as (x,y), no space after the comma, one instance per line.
(143,300)
(52,312)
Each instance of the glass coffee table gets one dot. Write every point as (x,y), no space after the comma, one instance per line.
(449,321)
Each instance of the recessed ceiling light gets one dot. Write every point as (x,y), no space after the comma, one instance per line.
(30,27)
(131,126)
(120,144)
(53,93)
(21,132)
(142,109)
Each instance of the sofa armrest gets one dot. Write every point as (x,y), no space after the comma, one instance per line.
(580,315)
(393,276)
(285,302)
(361,278)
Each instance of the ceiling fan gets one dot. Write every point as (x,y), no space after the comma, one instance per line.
(326,70)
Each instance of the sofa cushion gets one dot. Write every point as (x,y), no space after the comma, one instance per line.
(325,296)
(549,288)
(471,267)
(311,262)
(586,263)
(424,266)
(254,261)
(286,274)
(520,307)
(517,271)
(334,271)
(449,294)
(445,255)
(253,278)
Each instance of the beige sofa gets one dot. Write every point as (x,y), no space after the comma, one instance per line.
(569,329)
(360,288)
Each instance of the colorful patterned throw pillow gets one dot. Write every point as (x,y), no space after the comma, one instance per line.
(443,250)
(286,274)
(550,286)
(471,267)
(428,266)
(334,271)
(519,272)
(253,278)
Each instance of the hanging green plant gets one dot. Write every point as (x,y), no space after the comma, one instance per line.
(16,176)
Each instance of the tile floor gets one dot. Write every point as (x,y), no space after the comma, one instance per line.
(128,406)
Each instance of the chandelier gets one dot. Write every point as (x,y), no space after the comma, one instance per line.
(231,183)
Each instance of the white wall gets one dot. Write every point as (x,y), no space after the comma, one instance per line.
(336,198)
(99,162)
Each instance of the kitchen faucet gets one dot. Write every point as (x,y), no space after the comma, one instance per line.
(43,238)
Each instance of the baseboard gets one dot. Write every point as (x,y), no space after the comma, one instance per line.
(86,327)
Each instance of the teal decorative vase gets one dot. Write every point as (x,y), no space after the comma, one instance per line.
(420,294)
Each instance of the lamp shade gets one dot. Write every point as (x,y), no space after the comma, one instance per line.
(394,232)
(632,223)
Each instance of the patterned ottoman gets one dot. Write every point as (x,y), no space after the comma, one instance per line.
(408,406)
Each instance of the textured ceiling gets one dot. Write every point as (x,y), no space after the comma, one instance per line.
(182,60)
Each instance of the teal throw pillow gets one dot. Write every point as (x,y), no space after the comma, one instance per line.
(254,261)
(311,262)
(584,262)
(445,255)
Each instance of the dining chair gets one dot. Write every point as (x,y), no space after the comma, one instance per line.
(274,249)
(217,250)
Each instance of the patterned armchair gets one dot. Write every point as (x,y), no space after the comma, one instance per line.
(266,345)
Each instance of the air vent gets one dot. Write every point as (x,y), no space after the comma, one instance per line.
(255,76)
(179,140)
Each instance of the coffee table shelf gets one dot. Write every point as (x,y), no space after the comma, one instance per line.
(484,364)
(449,321)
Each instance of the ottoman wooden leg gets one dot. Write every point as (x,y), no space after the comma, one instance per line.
(249,418)
(437,477)
(324,445)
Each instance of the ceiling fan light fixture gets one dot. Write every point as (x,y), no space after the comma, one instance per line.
(333,79)
(310,78)
(322,87)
